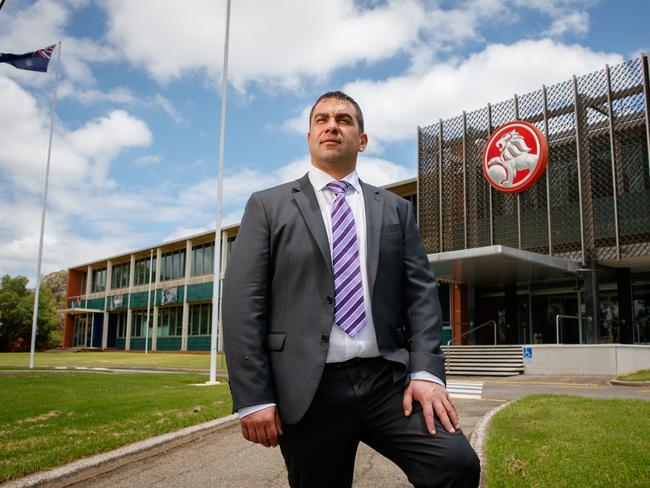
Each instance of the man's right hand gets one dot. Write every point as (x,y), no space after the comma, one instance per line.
(262,427)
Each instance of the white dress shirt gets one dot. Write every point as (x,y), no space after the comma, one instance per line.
(341,345)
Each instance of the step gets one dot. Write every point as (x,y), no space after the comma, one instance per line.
(481,373)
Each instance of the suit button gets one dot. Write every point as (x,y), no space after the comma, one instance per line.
(330,299)
(324,338)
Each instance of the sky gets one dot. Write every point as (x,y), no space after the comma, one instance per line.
(136,136)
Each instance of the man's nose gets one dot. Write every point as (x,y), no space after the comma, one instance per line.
(332,125)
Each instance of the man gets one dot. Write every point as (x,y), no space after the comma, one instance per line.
(332,322)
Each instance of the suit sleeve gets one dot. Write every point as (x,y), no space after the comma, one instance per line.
(421,306)
(245,310)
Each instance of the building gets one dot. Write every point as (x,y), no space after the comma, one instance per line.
(576,244)
(566,261)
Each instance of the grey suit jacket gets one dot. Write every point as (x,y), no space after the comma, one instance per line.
(278,294)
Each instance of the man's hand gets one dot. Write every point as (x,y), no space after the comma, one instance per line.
(434,399)
(262,427)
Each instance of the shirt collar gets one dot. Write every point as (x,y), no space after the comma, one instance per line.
(319,179)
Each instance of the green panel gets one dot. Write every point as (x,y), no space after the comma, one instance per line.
(137,344)
(200,292)
(120,343)
(446,335)
(139,300)
(97,303)
(179,295)
(168,344)
(198,343)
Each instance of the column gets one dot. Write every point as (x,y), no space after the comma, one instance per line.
(127,344)
(186,306)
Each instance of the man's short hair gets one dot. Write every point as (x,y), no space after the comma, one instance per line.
(344,97)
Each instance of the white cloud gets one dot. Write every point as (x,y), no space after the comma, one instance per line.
(239,185)
(574,23)
(395,106)
(277,42)
(82,194)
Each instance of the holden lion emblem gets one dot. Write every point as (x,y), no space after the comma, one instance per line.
(515,156)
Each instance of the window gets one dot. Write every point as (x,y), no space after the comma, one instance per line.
(172,265)
(202,262)
(200,319)
(84,279)
(142,271)
(170,321)
(99,280)
(120,276)
(139,323)
(121,324)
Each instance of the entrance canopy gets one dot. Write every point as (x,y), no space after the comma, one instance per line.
(499,265)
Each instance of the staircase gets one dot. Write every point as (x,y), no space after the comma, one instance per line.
(504,360)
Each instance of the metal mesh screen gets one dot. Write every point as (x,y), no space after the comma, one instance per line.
(631,157)
(504,205)
(429,190)
(533,203)
(595,195)
(478,193)
(453,216)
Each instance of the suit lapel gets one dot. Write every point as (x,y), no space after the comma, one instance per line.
(305,197)
(374,204)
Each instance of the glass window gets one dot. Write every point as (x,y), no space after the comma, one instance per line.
(99,280)
(200,319)
(84,278)
(121,324)
(142,271)
(170,321)
(172,265)
(139,323)
(202,259)
(120,276)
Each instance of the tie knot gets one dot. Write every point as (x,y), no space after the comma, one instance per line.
(338,187)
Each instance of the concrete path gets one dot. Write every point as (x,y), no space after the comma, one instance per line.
(225,459)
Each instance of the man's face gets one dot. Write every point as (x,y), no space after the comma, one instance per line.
(334,137)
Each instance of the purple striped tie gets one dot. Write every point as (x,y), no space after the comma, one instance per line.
(349,309)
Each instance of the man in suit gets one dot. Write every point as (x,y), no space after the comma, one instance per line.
(332,322)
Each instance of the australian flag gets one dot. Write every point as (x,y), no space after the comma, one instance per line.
(36,61)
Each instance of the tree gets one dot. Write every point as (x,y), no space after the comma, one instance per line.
(16,309)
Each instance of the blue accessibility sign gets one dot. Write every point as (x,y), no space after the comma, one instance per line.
(528,354)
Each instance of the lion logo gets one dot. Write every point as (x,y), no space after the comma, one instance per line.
(515,156)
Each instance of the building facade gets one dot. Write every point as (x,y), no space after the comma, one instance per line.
(568,259)
(565,261)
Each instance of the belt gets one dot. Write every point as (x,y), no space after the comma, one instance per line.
(352,362)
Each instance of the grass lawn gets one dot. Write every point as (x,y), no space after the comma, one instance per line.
(643,375)
(12,360)
(48,419)
(562,441)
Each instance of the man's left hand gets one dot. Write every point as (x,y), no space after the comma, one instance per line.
(434,400)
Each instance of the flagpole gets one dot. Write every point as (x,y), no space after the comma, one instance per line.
(216,280)
(146,334)
(40,243)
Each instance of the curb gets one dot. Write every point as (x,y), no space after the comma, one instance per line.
(479,434)
(629,383)
(84,469)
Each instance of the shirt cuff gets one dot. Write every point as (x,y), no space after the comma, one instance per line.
(244,412)
(426,376)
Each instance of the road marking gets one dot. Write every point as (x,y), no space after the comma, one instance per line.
(465,389)
(554,383)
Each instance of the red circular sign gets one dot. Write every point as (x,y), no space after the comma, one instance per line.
(515,156)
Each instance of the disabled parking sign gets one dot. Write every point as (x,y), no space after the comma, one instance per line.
(528,354)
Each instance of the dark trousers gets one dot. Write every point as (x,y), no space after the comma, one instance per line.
(360,402)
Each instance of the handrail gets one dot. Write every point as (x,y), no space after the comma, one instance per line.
(476,328)
(578,318)
(447,353)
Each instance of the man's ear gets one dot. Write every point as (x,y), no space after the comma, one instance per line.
(363,142)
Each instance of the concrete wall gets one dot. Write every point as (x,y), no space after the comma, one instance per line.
(605,359)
